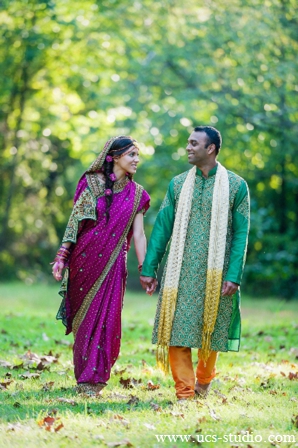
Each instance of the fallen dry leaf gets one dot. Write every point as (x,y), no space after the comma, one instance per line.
(194,441)
(18,366)
(50,423)
(177,414)
(120,419)
(124,442)
(155,407)
(49,359)
(116,395)
(152,386)
(28,375)
(101,423)
(17,427)
(33,361)
(202,420)
(293,376)
(119,371)
(133,400)
(52,354)
(117,417)
(294,351)
(30,356)
(149,426)
(147,371)
(48,386)
(219,394)
(66,400)
(129,383)
(212,413)
(5,364)
(5,384)
(295,420)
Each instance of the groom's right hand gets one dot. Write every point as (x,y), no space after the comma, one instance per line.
(149,284)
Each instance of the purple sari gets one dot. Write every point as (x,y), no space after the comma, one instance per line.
(95,281)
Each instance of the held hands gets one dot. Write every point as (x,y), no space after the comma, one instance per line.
(149,284)
(229,288)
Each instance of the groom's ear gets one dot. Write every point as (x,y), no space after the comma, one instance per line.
(211,148)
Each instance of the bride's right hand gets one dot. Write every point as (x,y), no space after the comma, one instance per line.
(57,270)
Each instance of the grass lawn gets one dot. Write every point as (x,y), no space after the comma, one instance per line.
(253,402)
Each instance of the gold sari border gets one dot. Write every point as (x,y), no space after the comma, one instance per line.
(79,317)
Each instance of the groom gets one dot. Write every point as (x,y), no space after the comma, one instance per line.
(205,214)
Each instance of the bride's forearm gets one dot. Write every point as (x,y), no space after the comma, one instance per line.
(140,243)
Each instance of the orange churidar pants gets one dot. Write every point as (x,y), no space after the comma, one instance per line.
(183,372)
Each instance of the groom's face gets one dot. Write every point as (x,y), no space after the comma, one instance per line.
(197,148)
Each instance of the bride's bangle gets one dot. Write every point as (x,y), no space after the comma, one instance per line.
(62,255)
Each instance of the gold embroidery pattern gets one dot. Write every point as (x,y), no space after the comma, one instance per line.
(84,208)
(243,208)
(166,202)
(98,187)
(61,314)
(79,317)
(188,320)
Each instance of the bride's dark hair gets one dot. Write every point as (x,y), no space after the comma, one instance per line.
(119,146)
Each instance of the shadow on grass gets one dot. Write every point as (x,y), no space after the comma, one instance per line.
(24,405)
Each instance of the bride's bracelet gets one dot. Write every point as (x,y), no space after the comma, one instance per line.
(62,255)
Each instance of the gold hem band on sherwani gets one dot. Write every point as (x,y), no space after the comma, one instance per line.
(216,253)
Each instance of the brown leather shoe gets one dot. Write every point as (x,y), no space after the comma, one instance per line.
(202,390)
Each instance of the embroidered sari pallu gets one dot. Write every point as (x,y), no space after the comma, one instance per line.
(94,283)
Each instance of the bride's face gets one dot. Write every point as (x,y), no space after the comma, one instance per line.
(128,162)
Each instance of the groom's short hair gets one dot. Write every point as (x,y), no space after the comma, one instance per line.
(213,136)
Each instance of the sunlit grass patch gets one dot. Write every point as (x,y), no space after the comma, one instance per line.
(255,391)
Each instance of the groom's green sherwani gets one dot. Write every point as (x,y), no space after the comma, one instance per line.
(188,320)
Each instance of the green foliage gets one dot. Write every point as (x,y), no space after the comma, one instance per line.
(75,73)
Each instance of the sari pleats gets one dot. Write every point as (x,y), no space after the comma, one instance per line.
(97,342)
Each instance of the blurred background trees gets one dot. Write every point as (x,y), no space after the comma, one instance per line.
(74,74)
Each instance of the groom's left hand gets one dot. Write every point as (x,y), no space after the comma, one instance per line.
(149,284)
(229,288)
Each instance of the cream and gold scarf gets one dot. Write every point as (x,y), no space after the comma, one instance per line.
(216,253)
